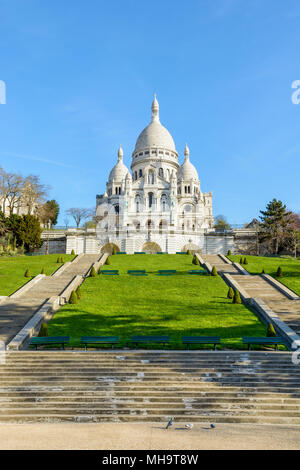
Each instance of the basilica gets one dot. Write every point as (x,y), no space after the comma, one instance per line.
(158,206)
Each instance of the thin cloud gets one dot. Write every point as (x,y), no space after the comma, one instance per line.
(37,159)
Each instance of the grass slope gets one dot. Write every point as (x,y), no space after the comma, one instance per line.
(12,269)
(290,268)
(178,305)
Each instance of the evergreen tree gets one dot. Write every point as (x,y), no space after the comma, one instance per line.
(271,331)
(230,293)
(214,271)
(229,253)
(27,230)
(236,298)
(93,272)
(245,261)
(73,252)
(27,273)
(73,298)
(107,261)
(78,293)
(44,330)
(279,272)
(274,223)
(195,260)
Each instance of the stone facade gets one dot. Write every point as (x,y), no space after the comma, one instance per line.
(158,206)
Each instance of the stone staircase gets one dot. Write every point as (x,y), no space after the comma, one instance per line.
(15,312)
(257,287)
(148,386)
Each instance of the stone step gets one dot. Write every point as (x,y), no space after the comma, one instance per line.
(133,405)
(151,418)
(73,400)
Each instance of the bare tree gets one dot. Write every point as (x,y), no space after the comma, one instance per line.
(11,187)
(79,214)
(34,193)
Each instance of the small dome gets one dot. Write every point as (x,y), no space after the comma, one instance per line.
(119,171)
(187,171)
(155,134)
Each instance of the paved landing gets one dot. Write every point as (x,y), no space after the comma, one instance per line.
(151,436)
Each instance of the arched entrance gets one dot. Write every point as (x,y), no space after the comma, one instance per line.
(192,247)
(151,247)
(109,247)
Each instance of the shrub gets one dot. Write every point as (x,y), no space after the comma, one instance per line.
(236,298)
(43,271)
(229,253)
(72,252)
(61,260)
(263,271)
(93,272)
(44,330)
(279,272)
(73,298)
(107,261)
(27,273)
(188,252)
(195,260)
(58,260)
(271,331)
(241,260)
(230,293)
(245,261)
(78,293)
(114,252)
(214,271)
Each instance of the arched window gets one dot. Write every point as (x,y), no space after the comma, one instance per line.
(163,203)
(182,228)
(137,203)
(140,173)
(150,200)
(168,175)
(135,175)
(161,172)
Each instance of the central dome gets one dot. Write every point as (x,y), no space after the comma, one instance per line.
(155,134)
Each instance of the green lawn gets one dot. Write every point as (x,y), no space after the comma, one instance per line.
(290,267)
(178,305)
(12,269)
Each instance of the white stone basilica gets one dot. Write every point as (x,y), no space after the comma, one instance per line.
(159,206)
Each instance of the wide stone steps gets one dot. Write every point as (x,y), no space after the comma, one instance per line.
(191,386)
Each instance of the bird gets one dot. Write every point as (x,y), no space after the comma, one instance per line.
(212,426)
(170,423)
(189,426)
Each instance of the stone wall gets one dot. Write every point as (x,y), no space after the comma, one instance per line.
(238,241)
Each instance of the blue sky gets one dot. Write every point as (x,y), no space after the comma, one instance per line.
(80,78)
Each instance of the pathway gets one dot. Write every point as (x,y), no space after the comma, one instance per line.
(15,312)
(257,287)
